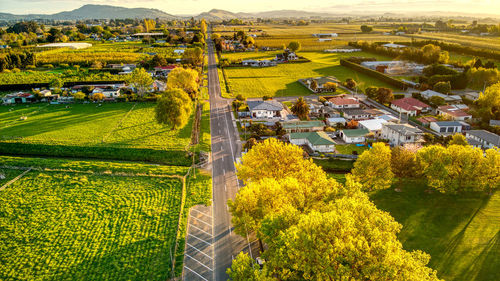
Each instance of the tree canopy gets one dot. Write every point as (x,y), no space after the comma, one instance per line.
(174,108)
(182,78)
(140,80)
(373,167)
(300,108)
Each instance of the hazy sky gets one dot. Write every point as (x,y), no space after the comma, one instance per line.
(197,6)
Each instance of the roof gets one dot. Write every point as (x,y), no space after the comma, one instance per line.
(494,122)
(373,124)
(302,124)
(431,93)
(270,105)
(409,104)
(403,129)
(315,138)
(387,117)
(486,136)
(336,120)
(391,45)
(343,101)
(448,123)
(427,119)
(357,111)
(453,111)
(350,133)
(326,79)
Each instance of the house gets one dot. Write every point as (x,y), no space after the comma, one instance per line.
(259,63)
(320,83)
(163,71)
(303,126)
(451,99)
(265,109)
(453,112)
(340,102)
(446,127)
(360,114)
(354,135)
(108,93)
(388,117)
(484,138)
(325,35)
(400,134)
(373,125)
(18,98)
(427,120)
(471,95)
(334,121)
(179,51)
(286,56)
(394,46)
(410,106)
(316,141)
(495,122)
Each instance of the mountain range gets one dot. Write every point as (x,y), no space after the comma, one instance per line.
(114,12)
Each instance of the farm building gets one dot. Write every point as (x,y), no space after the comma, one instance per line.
(342,50)
(320,35)
(395,67)
(394,46)
(354,135)
(259,63)
(400,134)
(316,141)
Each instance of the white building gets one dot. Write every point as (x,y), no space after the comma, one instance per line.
(265,109)
(354,135)
(447,98)
(316,141)
(373,125)
(446,127)
(400,134)
(483,138)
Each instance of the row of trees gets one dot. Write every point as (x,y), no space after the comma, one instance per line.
(17,60)
(314,228)
(453,169)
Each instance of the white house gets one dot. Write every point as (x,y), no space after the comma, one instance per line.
(447,98)
(399,134)
(446,127)
(337,103)
(354,135)
(360,114)
(483,138)
(265,109)
(335,120)
(453,112)
(316,141)
(394,46)
(373,125)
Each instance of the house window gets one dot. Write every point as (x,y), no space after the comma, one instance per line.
(451,129)
(442,130)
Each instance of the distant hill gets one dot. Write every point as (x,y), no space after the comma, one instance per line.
(95,12)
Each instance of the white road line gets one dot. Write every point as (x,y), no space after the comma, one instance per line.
(199,239)
(201,221)
(199,250)
(200,229)
(199,262)
(195,273)
(229,230)
(201,213)
(224,170)
(225,188)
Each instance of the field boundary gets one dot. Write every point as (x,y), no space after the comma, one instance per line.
(119,123)
(15,179)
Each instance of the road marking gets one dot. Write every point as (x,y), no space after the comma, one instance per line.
(195,273)
(199,262)
(227,207)
(224,170)
(200,239)
(198,250)
(201,213)
(201,221)
(229,230)
(225,188)
(201,230)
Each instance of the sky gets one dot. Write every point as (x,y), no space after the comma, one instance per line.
(191,7)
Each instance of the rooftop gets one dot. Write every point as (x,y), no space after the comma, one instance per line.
(403,129)
(302,124)
(315,138)
(355,132)
(448,123)
(486,136)
(409,104)
(373,124)
(270,105)
(342,101)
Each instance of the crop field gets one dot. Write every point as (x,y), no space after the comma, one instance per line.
(487,42)
(281,80)
(460,232)
(88,227)
(126,131)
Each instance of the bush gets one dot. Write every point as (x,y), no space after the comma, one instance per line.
(398,96)
(443,87)
(16,70)
(65,65)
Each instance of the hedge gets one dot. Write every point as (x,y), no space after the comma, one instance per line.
(381,76)
(29,86)
(170,157)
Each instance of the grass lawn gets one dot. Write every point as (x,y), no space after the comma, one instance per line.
(93,131)
(281,80)
(460,232)
(349,148)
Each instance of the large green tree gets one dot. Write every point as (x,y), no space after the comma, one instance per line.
(183,78)
(301,108)
(174,108)
(373,167)
(141,80)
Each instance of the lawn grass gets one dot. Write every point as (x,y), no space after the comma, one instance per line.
(460,232)
(349,148)
(281,80)
(124,131)
(88,227)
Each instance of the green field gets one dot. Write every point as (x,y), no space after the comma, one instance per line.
(125,131)
(281,80)
(460,232)
(88,227)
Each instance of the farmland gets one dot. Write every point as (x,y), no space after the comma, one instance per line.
(92,219)
(114,130)
(282,79)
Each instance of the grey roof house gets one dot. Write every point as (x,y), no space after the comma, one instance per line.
(482,138)
(265,109)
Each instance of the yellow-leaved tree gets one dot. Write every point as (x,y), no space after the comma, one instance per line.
(185,79)
(373,167)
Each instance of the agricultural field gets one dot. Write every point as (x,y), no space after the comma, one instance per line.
(126,131)
(460,232)
(94,219)
(486,42)
(281,80)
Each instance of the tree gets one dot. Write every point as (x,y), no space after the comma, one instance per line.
(56,83)
(174,108)
(373,167)
(489,103)
(436,101)
(301,108)
(294,46)
(279,129)
(431,53)
(384,95)
(193,56)
(403,163)
(371,92)
(366,28)
(458,139)
(350,83)
(182,78)
(330,86)
(79,96)
(140,80)
(243,268)
(313,85)
(442,87)
(353,124)
(98,96)
(491,169)
(203,26)
(250,143)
